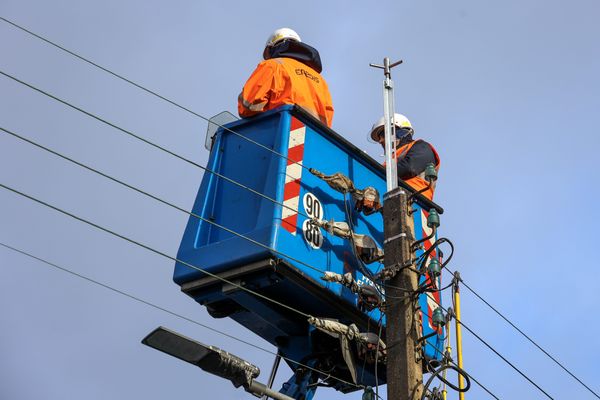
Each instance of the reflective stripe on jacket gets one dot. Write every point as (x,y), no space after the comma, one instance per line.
(280,81)
(418,182)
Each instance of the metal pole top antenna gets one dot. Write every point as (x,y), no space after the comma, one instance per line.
(387,67)
(391,169)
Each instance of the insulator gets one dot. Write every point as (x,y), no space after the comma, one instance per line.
(368,394)
(434,268)
(438,319)
(430,173)
(433,219)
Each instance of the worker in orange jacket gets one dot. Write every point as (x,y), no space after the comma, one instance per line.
(412,155)
(289,74)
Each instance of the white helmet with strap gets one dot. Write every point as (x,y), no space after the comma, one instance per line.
(282,34)
(399,120)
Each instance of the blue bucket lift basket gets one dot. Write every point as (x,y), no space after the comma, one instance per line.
(273,269)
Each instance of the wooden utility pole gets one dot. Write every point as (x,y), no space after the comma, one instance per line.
(404,370)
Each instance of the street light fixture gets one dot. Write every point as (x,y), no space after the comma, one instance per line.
(211,359)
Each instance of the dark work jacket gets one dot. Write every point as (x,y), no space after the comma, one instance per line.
(416,159)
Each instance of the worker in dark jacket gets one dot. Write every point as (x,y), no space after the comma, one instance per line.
(412,155)
(289,74)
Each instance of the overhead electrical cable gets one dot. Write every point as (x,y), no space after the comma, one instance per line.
(173,313)
(167,256)
(153,250)
(188,319)
(451,361)
(250,140)
(490,347)
(149,91)
(187,264)
(444,265)
(192,214)
(138,137)
(525,335)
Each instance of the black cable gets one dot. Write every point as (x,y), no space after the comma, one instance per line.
(361,266)
(451,361)
(147,90)
(428,288)
(415,244)
(203,117)
(138,137)
(447,311)
(438,371)
(153,250)
(173,259)
(380,323)
(148,303)
(434,246)
(160,200)
(527,337)
(142,192)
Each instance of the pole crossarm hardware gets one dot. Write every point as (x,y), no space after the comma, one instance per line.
(368,295)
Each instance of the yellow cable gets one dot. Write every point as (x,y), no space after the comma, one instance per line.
(459,359)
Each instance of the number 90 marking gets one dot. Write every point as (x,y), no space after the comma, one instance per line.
(314,209)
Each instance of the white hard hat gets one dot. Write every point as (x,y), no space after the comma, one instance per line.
(282,34)
(399,120)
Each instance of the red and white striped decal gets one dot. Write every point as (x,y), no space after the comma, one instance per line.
(293,175)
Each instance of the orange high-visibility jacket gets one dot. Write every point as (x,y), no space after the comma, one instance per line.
(418,182)
(279,81)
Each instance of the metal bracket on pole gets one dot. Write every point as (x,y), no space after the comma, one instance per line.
(391,169)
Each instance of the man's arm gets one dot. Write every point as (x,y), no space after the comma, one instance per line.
(257,91)
(416,160)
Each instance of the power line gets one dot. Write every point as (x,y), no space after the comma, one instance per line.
(526,336)
(490,347)
(162,254)
(138,190)
(188,319)
(180,209)
(146,89)
(245,138)
(154,250)
(173,313)
(208,221)
(444,265)
(469,375)
(138,137)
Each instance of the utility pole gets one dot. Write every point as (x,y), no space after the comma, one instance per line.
(404,370)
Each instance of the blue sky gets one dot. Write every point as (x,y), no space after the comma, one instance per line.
(507,92)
